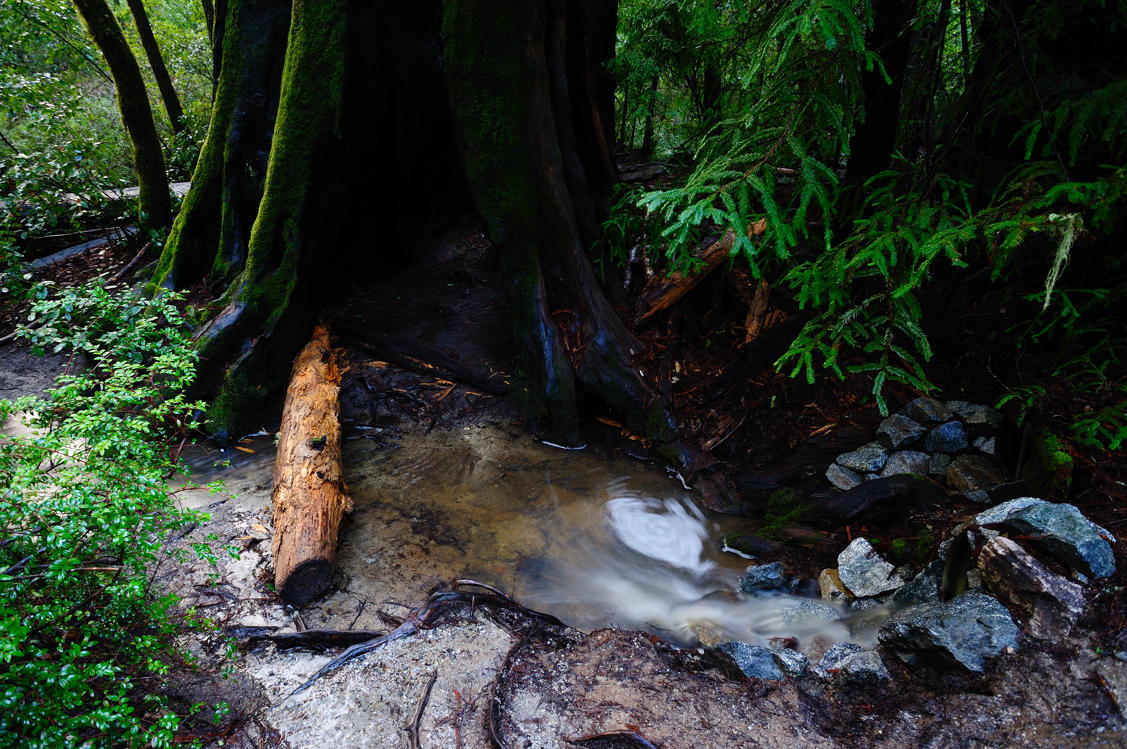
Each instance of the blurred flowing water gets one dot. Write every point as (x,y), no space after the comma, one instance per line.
(589,536)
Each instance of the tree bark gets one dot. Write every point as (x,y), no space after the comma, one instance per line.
(156,63)
(875,140)
(309,497)
(212,231)
(136,113)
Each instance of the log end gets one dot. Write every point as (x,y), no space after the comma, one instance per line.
(305,582)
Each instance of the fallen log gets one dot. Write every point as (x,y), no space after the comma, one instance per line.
(308,497)
(663,292)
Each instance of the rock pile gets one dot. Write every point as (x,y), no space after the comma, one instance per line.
(950,442)
(1017,567)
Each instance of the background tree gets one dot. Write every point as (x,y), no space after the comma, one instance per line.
(156,63)
(136,113)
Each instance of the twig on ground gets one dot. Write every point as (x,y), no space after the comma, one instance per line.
(412,728)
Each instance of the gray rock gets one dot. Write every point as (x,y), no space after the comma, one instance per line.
(803,610)
(842,478)
(867,458)
(861,670)
(763,577)
(968,472)
(899,431)
(937,466)
(832,659)
(927,411)
(979,419)
(985,444)
(967,630)
(949,437)
(998,513)
(1050,602)
(923,588)
(864,572)
(979,496)
(755,661)
(792,662)
(1062,531)
(906,461)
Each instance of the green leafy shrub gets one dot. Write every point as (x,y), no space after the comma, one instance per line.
(84,514)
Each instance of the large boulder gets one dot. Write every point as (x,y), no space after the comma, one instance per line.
(864,571)
(1051,603)
(1062,531)
(967,630)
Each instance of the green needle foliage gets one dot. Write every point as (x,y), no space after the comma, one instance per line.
(85,514)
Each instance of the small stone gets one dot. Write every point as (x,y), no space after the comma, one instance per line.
(967,630)
(804,610)
(899,431)
(1051,603)
(864,572)
(927,411)
(906,461)
(937,466)
(861,670)
(968,472)
(974,579)
(833,589)
(949,437)
(763,577)
(978,496)
(923,588)
(867,458)
(754,661)
(833,657)
(792,662)
(842,478)
(1062,531)
(998,513)
(985,444)
(978,418)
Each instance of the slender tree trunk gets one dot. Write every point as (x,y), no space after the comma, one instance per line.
(208,19)
(875,140)
(651,112)
(136,113)
(156,63)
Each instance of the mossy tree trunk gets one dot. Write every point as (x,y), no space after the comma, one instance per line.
(528,113)
(156,63)
(136,113)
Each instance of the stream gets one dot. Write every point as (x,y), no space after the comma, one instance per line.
(591,537)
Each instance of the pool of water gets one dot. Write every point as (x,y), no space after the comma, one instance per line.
(587,535)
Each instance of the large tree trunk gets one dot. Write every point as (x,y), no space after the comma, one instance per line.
(156,63)
(537,193)
(136,113)
(212,230)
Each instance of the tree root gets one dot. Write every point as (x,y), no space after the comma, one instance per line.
(614,740)
(412,728)
(427,616)
(314,639)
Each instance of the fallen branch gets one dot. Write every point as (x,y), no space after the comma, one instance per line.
(416,357)
(314,639)
(125,269)
(412,728)
(614,738)
(663,292)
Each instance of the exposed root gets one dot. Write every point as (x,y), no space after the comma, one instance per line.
(314,639)
(614,740)
(412,728)
(426,617)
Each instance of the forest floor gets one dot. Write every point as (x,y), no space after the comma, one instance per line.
(539,684)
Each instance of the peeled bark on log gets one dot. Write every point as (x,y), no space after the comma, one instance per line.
(308,497)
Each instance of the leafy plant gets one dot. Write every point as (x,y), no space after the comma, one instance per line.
(84,516)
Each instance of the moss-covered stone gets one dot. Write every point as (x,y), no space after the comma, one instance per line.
(1049,464)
